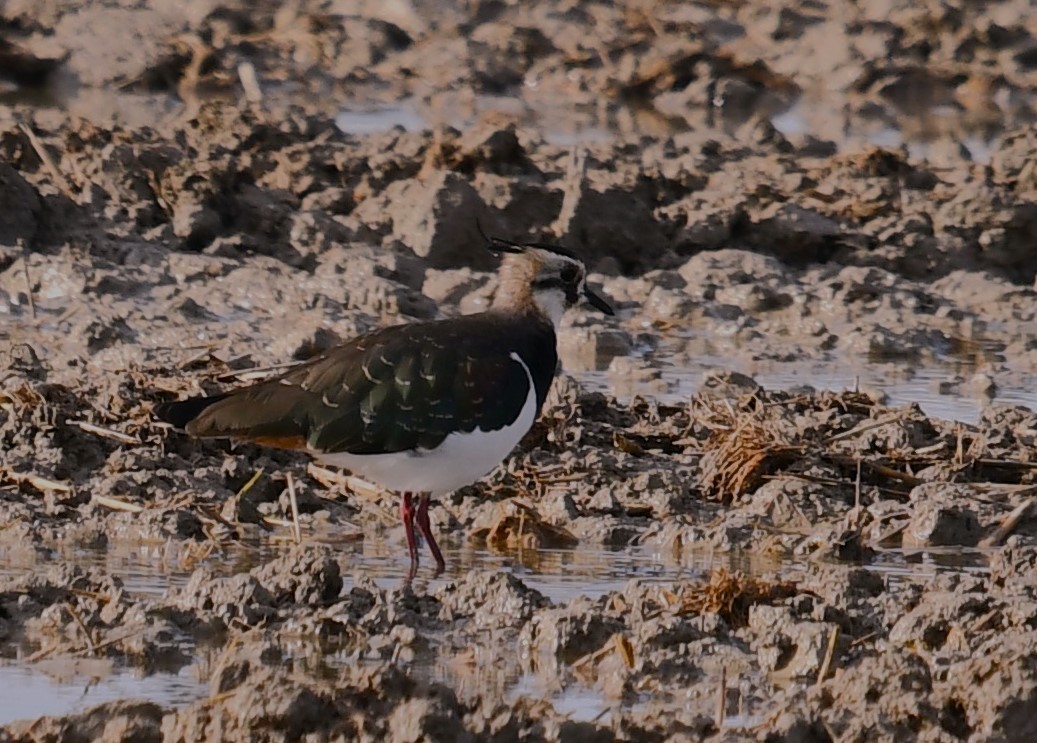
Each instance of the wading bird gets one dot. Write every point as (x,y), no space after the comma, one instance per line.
(421,409)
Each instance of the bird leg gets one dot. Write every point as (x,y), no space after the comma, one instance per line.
(407,516)
(426,531)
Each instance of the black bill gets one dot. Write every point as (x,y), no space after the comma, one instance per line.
(597,301)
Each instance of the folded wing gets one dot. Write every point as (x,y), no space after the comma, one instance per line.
(401,388)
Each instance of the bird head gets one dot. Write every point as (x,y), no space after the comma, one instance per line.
(553,278)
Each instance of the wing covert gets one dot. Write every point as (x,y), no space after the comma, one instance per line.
(400,388)
(419,389)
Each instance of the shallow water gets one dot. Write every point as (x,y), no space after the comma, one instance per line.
(71,685)
(56,686)
(809,115)
(559,125)
(902,386)
(915,130)
(941,385)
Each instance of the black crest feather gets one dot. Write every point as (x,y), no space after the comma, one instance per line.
(500,245)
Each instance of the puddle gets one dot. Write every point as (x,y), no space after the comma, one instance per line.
(917,130)
(560,575)
(65,686)
(578,703)
(146,570)
(940,387)
(901,386)
(559,125)
(377,120)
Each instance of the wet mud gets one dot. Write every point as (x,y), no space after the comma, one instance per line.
(234,186)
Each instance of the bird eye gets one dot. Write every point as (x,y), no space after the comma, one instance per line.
(570,273)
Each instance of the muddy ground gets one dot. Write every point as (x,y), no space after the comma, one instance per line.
(180,208)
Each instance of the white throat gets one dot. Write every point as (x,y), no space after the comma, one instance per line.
(552,303)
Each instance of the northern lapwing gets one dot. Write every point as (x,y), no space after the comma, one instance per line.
(421,409)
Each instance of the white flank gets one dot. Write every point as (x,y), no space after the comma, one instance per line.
(460,460)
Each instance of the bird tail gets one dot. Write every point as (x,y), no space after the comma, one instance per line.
(182,412)
(249,414)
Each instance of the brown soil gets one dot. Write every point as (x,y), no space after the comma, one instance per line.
(180,208)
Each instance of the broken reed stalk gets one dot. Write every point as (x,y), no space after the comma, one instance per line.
(996,537)
(854,461)
(250,82)
(28,278)
(251,483)
(1012,463)
(857,486)
(82,626)
(59,178)
(625,648)
(826,665)
(618,644)
(37,481)
(861,428)
(115,640)
(203,354)
(107,433)
(721,709)
(296,531)
(576,174)
(117,505)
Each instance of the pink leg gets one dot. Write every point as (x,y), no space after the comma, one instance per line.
(407,516)
(426,531)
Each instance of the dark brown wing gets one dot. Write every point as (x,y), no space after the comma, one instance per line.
(400,388)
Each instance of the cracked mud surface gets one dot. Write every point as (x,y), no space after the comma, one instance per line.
(733,561)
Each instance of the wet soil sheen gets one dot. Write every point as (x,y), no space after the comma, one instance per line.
(192,195)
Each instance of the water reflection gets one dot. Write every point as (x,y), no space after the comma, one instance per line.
(916,124)
(69,685)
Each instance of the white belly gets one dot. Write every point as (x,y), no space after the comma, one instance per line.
(460,460)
